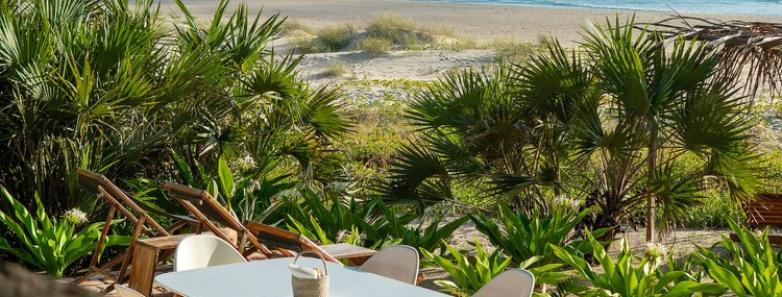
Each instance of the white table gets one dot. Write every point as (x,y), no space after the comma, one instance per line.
(272,278)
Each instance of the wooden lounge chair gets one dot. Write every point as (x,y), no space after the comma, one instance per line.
(268,240)
(764,211)
(136,214)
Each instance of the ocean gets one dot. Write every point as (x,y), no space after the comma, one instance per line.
(751,7)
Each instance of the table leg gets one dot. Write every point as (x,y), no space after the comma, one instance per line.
(142,271)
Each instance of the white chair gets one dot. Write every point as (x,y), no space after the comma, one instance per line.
(126,292)
(398,262)
(199,251)
(511,283)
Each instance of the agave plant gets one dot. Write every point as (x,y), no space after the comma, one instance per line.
(468,274)
(631,275)
(427,237)
(49,244)
(751,267)
(527,236)
(367,223)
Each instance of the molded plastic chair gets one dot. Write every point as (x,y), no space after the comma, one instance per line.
(511,283)
(126,292)
(398,262)
(199,251)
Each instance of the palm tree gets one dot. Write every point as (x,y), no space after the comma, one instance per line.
(668,99)
(102,85)
(622,123)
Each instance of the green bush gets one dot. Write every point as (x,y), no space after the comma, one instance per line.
(399,31)
(633,276)
(103,88)
(375,45)
(526,237)
(715,211)
(429,237)
(337,219)
(751,266)
(51,245)
(332,39)
(468,273)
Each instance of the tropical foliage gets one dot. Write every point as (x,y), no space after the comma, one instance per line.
(368,223)
(620,131)
(614,125)
(530,236)
(103,86)
(629,276)
(49,244)
(468,275)
(751,266)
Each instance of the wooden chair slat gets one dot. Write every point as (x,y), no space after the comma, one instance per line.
(120,204)
(764,211)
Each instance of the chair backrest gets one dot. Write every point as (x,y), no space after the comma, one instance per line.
(398,262)
(764,210)
(511,283)
(126,292)
(207,210)
(285,241)
(105,189)
(199,251)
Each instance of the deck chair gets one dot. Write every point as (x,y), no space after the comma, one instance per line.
(137,214)
(268,240)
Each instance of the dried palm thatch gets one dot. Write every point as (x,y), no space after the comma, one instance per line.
(749,49)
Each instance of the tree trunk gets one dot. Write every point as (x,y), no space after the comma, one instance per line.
(650,199)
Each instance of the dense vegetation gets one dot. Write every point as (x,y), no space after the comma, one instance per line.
(549,154)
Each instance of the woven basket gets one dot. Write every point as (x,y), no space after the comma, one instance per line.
(303,287)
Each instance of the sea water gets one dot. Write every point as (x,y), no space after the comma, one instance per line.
(756,7)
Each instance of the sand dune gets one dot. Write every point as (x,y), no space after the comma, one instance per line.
(479,21)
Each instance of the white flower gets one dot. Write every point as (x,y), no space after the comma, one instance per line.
(655,250)
(75,217)
(564,201)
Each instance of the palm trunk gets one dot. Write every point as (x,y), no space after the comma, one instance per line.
(650,199)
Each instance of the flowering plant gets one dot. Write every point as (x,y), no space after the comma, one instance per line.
(49,244)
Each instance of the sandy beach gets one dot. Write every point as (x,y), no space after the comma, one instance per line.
(478,21)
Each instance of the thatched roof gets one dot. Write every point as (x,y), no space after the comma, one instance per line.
(753,49)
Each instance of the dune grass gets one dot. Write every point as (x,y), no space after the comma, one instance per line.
(335,38)
(335,68)
(375,45)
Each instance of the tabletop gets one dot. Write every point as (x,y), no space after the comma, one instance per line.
(272,278)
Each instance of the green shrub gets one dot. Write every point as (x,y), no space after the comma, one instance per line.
(337,219)
(429,237)
(715,211)
(468,273)
(336,38)
(531,236)
(633,276)
(375,45)
(104,89)
(51,245)
(399,31)
(751,268)
(304,44)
